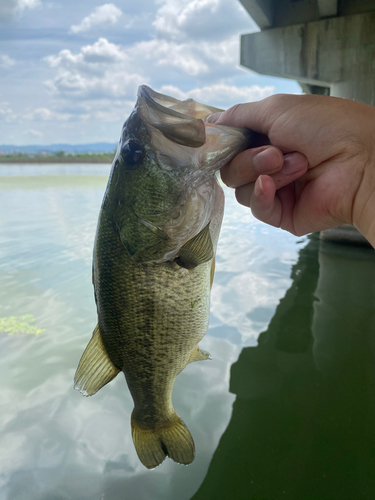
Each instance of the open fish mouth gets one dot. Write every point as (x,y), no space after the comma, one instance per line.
(207,147)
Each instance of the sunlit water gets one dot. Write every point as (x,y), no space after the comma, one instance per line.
(285,410)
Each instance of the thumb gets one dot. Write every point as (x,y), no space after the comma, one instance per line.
(249,115)
(259,116)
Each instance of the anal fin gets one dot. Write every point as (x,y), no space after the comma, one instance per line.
(198,355)
(212,272)
(95,369)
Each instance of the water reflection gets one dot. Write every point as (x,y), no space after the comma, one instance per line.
(53,440)
(303,422)
(302,397)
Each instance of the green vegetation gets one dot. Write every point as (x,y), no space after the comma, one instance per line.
(13,325)
(59,157)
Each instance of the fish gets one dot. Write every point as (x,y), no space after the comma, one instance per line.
(154,262)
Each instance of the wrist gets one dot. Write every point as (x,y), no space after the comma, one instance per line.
(364,205)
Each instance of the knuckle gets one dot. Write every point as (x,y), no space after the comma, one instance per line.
(277,100)
(231,114)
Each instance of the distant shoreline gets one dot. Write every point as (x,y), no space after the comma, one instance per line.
(42,160)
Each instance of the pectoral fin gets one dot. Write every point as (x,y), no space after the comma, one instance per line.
(95,369)
(197,250)
(198,355)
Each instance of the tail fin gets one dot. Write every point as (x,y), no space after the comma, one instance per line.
(153,445)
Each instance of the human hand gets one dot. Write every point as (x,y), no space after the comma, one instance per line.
(318,171)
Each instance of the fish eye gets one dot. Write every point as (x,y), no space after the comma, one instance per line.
(131,154)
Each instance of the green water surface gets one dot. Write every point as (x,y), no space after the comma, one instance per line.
(285,410)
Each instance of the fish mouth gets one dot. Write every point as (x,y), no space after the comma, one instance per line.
(176,107)
(172,123)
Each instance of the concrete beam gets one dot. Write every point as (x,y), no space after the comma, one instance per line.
(301,52)
(337,52)
(282,13)
(350,7)
(261,11)
(288,13)
(327,8)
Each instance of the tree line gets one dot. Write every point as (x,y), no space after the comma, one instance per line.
(58,157)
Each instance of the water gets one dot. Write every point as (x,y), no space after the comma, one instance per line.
(285,410)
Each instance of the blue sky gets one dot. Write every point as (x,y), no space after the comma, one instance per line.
(69,70)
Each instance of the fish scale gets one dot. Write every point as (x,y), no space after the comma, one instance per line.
(130,305)
(154,262)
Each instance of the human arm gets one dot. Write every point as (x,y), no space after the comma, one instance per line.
(330,142)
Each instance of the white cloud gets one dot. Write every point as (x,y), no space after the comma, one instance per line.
(182,47)
(183,56)
(28,4)
(201,19)
(101,52)
(6,61)
(91,58)
(105,14)
(6,113)
(118,84)
(45,114)
(173,15)
(100,110)
(220,93)
(102,69)
(97,71)
(224,52)
(106,110)
(109,71)
(12,8)
(38,114)
(33,133)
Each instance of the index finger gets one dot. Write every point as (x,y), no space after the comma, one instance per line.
(258,116)
(291,122)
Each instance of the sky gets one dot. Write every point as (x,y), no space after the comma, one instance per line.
(69,70)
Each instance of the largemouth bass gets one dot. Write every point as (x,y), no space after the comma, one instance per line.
(154,262)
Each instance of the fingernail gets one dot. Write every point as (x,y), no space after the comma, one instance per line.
(266,161)
(258,188)
(213,117)
(293,162)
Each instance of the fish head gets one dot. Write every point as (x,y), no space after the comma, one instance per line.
(162,186)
